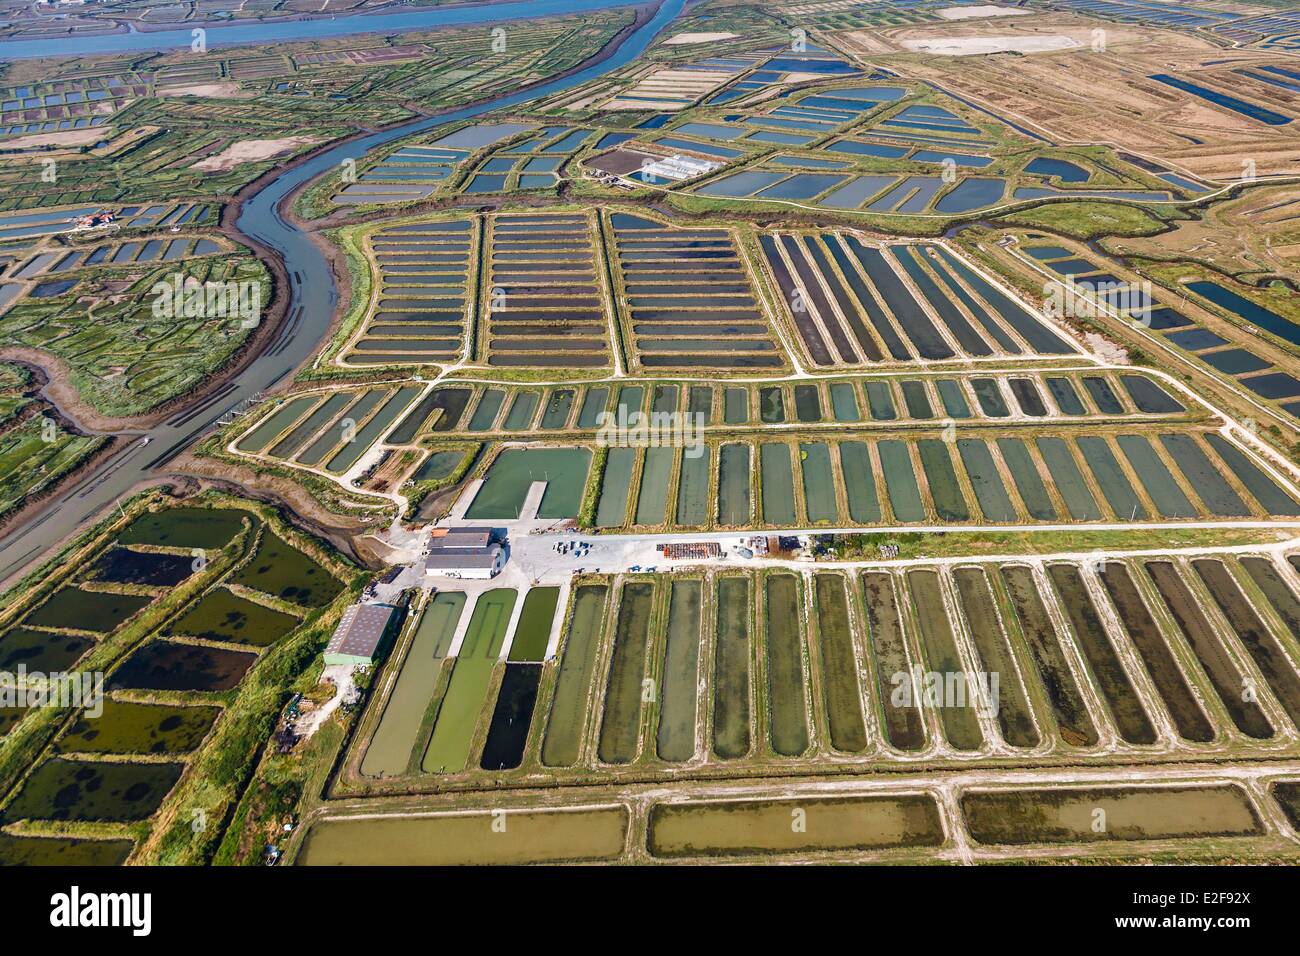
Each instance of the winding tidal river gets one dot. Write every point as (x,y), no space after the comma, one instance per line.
(312,304)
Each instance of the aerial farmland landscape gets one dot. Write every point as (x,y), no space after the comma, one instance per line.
(650,433)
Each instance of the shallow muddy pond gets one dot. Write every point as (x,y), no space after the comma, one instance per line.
(764,826)
(788,730)
(568,717)
(620,724)
(731,737)
(675,740)
(390,750)
(530,836)
(1017,817)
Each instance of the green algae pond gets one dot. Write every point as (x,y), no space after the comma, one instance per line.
(41,650)
(818,482)
(222,615)
(726,827)
(652,496)
(261,436)
(675,740)
(693,489)
(615,483)
(735,402)
(621,722)
(593,404)
(485,412)
(522,411)
(1055,679)
(513,471)
(391,749)
(126,727)
(438,466)
(945,490)
(528,836)
(204,528)
(840,688)
(62,851)
(733,485)
(287,573)
(534,628)
(787,712)
(900,481)
(82,610)
(82,790)
(731,705)
(776,479)
(844,403)
(903,725)
(559,404)
(1068,815)
(567,722)
(859,484)
(471,676)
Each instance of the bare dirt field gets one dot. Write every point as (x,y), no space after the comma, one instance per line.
(223,90)
(75,137)
(978,46)
(1118,103)
(252,151)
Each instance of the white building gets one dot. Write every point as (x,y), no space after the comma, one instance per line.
(464,553)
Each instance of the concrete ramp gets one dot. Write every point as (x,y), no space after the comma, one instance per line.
(532,501)
(465,500)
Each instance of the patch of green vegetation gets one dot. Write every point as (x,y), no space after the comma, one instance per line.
(1088,220)
(35,454)
(127,357)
